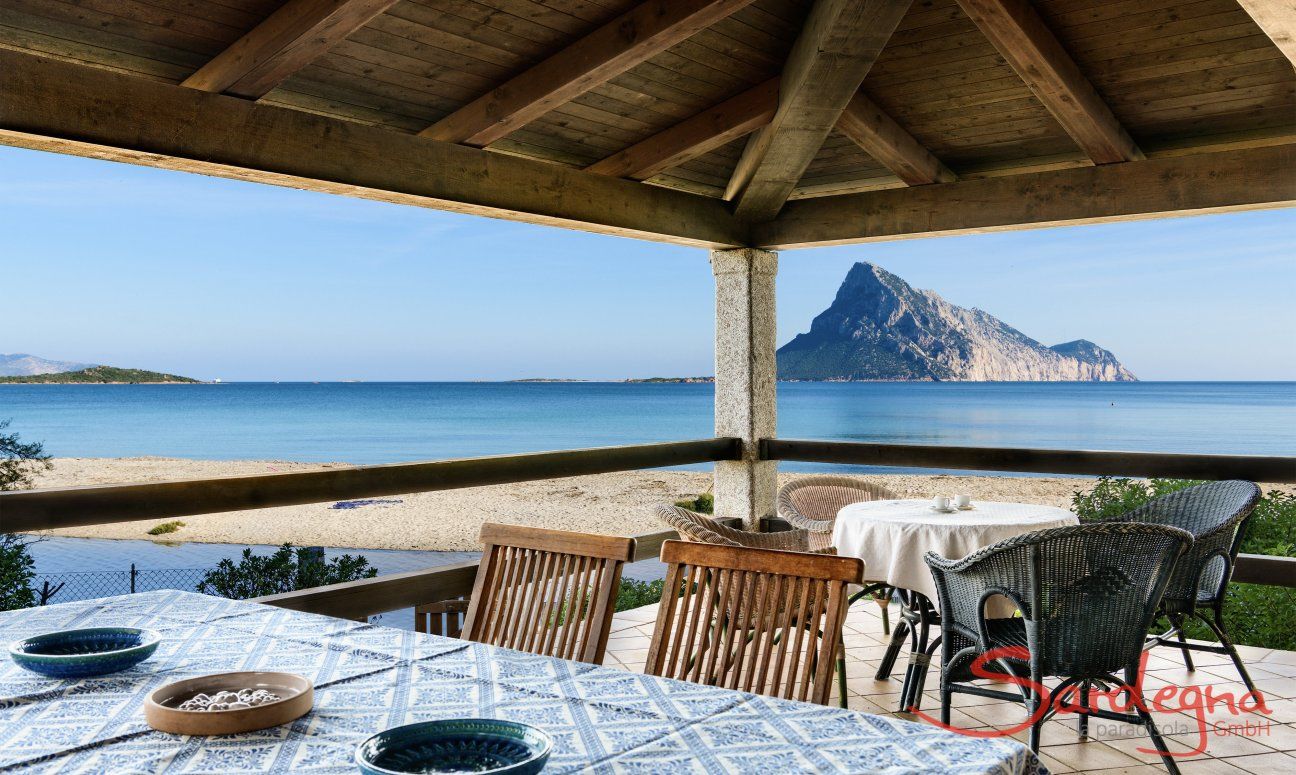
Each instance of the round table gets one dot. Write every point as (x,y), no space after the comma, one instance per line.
(891,536)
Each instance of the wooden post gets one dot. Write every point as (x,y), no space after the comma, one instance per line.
(745,381)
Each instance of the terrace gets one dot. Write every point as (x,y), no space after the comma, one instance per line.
(738,126)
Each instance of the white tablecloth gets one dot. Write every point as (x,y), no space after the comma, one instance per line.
(892,536)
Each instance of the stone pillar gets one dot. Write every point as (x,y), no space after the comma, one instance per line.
(745,380)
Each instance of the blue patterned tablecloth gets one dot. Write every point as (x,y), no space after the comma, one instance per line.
(368,678)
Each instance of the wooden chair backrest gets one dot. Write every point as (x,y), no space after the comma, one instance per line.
(549,592)
(792,605)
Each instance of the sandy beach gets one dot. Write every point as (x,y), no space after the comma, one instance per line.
(619,503)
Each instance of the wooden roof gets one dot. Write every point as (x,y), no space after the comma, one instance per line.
(713,122)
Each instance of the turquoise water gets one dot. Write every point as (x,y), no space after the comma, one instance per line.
(389,422)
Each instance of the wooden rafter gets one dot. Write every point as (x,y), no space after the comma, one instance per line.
(694,136)
(1249,179)
(889,144)
(838,44)
(70,108)
(289,39)
(1018,33)
(640,33)
(1278,20)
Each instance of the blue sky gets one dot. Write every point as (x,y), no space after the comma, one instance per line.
(148,268)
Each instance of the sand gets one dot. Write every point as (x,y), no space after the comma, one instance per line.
(616,504)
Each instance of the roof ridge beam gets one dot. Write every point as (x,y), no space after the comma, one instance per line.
(1277,18)
(695,136)
(833,53)
(633,37)
(1021,37)
(882,138)
(288,40)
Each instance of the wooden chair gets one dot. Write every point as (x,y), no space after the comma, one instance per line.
(443,618)
(757,620)
(548,592)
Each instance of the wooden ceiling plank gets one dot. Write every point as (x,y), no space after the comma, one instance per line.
(62,107)
(834,51)
(1278,20)
(637,35)
(1249,179)
(1018,33)
(695,136)
(286,42)
(890,145)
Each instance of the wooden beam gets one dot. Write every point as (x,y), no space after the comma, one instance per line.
(838,44)
(694,136)
(69,108)
(1278,20)
(889,144)
(1018,33)
(1248,179)
(637,35)
(289,39)
(1256,468)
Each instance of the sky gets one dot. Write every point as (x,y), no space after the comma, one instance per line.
(137,267)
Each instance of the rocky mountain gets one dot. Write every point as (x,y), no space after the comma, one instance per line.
(881,328)
(24,365)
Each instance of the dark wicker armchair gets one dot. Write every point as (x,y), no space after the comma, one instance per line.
(1086,594)
(812,503)
(1215,514)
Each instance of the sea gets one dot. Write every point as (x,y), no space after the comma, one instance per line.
(383,422)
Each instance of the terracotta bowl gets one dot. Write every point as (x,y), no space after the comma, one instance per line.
(162,707)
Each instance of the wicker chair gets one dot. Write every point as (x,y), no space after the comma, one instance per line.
(1215,514)
(1086,594)
(812,503)
(702,529)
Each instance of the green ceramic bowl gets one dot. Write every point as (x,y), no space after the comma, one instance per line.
(456,745)
(84,653)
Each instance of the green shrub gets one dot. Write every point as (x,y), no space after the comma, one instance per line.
(637,594)
(16,574)
(702,504)
(166,527)
(286,570)
(1252,612)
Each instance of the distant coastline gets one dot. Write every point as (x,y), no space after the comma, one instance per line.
(100,375)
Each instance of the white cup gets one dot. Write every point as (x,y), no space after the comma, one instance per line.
(963,501)
(940,502)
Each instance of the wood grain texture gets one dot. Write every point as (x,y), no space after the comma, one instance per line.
(549,592)
(287,41)
(695,136)
(838,44)
(1246,179)
(886,141)
(57,106)
(1278,20)
(637,35)
(755,620)
(1020,35)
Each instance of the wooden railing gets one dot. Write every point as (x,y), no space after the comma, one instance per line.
(46,509)
(30,510)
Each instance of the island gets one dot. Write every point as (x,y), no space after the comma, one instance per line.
(99,375)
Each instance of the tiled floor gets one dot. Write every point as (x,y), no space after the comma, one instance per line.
(1269,746)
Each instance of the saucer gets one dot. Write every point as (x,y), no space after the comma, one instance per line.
(946,510)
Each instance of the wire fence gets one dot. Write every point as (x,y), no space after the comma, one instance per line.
(86,585)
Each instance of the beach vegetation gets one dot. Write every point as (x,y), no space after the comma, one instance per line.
(16,573)
(288,569)
(1251,611)
(20,460)
(165,527)
(702,504)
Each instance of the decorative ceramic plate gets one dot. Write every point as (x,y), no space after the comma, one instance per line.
(162,707)
(84,653)
(456,745)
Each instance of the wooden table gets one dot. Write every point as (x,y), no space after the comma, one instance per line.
(369,678)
